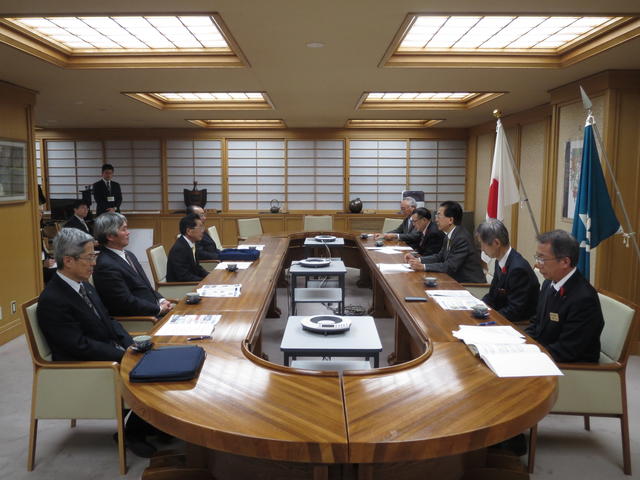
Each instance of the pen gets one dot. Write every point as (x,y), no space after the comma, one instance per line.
(484,324)
(202,337)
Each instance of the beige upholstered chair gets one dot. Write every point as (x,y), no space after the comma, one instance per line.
(158,262)
(599,389)
(213,233)
(249,227)
(318,223)
(390,224)
(72,390)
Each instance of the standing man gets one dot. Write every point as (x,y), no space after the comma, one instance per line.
(119,278)
(514,288)
(182,265)
(80,211)
(76,324)
(206,249)
(430,240)
(406,231)
(569,319)
(458,256)
(107,192)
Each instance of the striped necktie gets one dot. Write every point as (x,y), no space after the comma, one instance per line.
(87,300)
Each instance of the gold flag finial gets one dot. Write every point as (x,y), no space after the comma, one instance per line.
(497,113)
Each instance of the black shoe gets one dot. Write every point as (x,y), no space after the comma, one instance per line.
(138,446)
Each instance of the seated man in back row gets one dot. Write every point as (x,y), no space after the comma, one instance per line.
(430,240)
(182,265)
(119,278)
(514,288)
(406,231)
(458,256)
(206,249)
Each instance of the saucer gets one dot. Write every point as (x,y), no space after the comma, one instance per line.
(475,315)
(141,350)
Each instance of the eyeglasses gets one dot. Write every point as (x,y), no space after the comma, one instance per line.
(90,257)
(542,260)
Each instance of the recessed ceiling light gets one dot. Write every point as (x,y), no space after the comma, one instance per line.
(424,100)
(254,123)
(204,100)
(362,123)
(315,45)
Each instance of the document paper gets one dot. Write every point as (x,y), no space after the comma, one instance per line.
(220,290)
(189,325)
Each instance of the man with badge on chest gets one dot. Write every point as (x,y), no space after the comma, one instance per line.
(107,192)
(514,289)
(569,319)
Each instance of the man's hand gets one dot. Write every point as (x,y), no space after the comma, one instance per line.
(165,306)
(415,264)
(49,263)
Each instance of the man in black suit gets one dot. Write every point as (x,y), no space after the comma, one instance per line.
(514,288)
(76,324)
(181,262)
(430,240)
(119,278)
(107,192)
(206,249)
(458,256)
(80,211)
(569,319)
(406,231)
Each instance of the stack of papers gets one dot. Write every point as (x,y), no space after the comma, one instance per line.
(219,290)
(454,299)
(394,267)
(240,265)
(247,247)
(389,250)
(189,325)
(503,350)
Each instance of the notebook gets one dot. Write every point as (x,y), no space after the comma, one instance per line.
(170,364)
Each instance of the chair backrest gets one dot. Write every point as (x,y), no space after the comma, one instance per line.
(38,345)
(318,223)
(249,227)
(391,224)
(540,277)
(158,261)
(616,335)
(213,233)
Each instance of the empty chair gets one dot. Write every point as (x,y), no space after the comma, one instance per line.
(71,390)
(213,233)
(391,223)
(599,389)
(249,227)
(318,223)
(158,262)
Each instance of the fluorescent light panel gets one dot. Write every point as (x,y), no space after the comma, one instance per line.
(208,97)
(253,123)
(448,97)
(500,32)
(362,123)
(88,34)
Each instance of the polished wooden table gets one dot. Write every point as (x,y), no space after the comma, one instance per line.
(439,404)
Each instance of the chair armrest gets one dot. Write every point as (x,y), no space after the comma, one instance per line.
(208,265)
(479,285)
(79,365)
(242,239)
(603,367)
(176,289)
(138,325)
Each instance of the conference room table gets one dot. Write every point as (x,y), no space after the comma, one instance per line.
(435,410)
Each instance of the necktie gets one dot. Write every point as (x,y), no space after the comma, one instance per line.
(127,256)
(448,242)
(109,187)
(87,300)
(193,250)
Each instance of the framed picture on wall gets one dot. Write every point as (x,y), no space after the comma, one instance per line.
(572,163)
(13,171)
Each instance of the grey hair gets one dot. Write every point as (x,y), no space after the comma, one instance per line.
(562,245)
(411,201)
(107,224)
(488,231)
(69,242)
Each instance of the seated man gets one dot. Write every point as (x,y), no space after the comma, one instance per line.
(514,288)
(181,263)
(406,231)
(569,319)
(430,240)
(458,256)
(76,324)
(206,249)
(80,211)
(119,278)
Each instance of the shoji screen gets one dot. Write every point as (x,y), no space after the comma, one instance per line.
(71,166)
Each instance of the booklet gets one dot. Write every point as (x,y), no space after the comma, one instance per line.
(510,360)
(188,325)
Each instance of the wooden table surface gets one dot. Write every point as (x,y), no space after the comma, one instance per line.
(442,402)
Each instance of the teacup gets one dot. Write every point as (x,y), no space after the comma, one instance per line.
(480,311)
(379,243)
(431,281)
(364,236)
(142,342)
(232,267)
(192,298)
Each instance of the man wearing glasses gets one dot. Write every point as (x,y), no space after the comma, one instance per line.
(181,262)
(568,320)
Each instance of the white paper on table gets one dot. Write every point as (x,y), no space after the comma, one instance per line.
(189,325)
(247,247)
(458,303)
(240,265)
(219,290)
(387,250)
(394,267)
(449,293)
(497,334)
(402,248)
(524,360)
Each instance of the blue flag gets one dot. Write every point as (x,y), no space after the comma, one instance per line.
(594,219)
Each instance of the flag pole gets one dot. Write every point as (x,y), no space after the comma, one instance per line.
(586,103)
(498,114)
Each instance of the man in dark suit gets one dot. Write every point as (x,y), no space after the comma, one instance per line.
(406,231)
(569,319)
(76,324)
(514,288)
(206,249)
(458,256)
(181,262)
(430,240)
(119,278)
(80,211)
(107,192)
